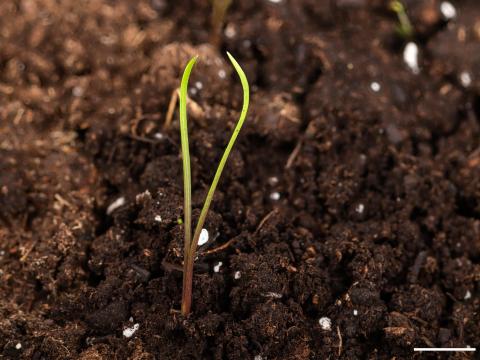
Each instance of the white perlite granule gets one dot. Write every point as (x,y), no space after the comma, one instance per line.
(325,323)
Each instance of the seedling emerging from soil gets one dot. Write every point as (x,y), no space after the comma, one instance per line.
(190,245)
(219,10)
(404,28)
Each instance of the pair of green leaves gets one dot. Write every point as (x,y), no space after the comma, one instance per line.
(190,245)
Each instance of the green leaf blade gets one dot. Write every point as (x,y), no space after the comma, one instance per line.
(223,160)
(187,178)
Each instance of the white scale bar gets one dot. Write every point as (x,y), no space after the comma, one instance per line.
(445,349)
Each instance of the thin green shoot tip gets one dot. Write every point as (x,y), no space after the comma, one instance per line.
(405,27)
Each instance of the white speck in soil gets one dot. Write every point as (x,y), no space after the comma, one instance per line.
(275,1)
(217,267)
(375,86)
(410,56)
(258,357)
(273,180)
(465,79)
(129,331)
(199,85)
(193,91)
(203,239)
(448,10)
(360,208)
(350,66)
(158,218)
(115,205)
(18,346)
(325,323)
(230,31)
(275,196)
(355,312)
(246,43)
(237,275)
(222,74)
(77,91)
(159,136)
(273,295)
(468,295)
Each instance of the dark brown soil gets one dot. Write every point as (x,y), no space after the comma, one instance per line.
(345,199)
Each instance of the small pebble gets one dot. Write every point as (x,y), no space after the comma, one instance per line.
(129,331)
(158,218)
(375,86)
(258,357)
(237,275)
(355,312)
(115,205)
(77,91)
(230,31)
(18,346)
(468,295)
(203,239)
(199,85)
(360,208)
(217,267)
(159,136)
(275,1)
(273,180)
(222,74)
(275,196)
(448,10)
(410,56)
(465,79)
(325,323)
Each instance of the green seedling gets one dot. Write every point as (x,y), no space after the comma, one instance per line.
(219,11)
(404,28)
(190,244)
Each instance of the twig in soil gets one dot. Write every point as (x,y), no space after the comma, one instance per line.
(62,202)
(220,248)
(171,108)
(28,251)
(219,10)
(340,341)
(294,154)
(473,159)
(190,245)
(417,265)
(171,267)
(264,220)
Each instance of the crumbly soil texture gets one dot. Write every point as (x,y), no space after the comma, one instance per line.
(346,224)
